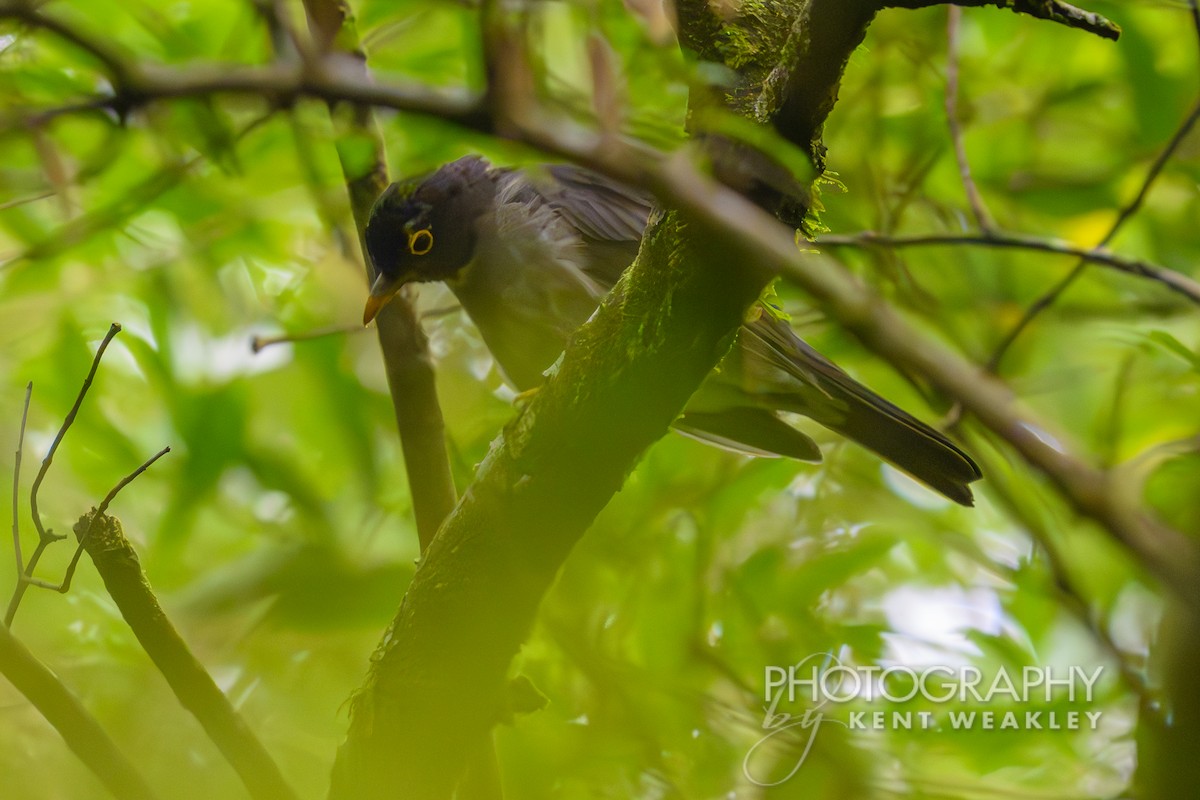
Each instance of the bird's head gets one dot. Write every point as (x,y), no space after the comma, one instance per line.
(424,229)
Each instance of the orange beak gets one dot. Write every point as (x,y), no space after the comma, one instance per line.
(382,292)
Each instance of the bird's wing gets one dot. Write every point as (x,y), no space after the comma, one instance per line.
(607,218)
(599,208)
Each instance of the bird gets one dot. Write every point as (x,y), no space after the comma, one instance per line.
(529,254)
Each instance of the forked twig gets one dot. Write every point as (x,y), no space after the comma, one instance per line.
(1051,296)
(46,537)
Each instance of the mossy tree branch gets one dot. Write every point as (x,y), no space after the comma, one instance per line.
(437,683)
(79,729)
(118,565)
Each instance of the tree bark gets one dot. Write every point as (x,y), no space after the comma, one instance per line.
(437,683)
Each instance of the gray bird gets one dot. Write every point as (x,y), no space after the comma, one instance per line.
(530,254)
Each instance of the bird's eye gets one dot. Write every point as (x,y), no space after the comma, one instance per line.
(420,242)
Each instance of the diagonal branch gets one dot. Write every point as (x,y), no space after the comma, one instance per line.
(118,565)
(437,683)
(79,729)
(65,586)
(1176,281)
(1053,10)
(1127,213)
(16,489)
(117,65)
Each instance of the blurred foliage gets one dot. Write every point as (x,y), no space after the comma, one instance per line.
(278,531)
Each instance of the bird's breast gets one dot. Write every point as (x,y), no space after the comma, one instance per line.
(526,293)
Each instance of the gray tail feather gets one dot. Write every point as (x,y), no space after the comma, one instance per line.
(899,437)
(753,431)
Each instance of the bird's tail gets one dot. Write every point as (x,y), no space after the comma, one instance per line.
(859,414)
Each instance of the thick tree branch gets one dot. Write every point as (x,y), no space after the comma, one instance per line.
(118,566)
(437,683)
(79,729)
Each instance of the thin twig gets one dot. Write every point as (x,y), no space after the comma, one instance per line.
(20,201)
(1050,297)
(1053,10)
(43,534)
(982,218)
(1176,281)
(65,585)
(118,68)
(1155,170)
(48,537)
(16,525)
(260,343)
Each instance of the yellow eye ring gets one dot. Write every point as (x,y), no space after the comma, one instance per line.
(420,242)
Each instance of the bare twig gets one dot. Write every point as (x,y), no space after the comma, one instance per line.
(20,201)
(1053,10)
(1176,281)
(48,537)
(65,585)
(260,343)
(1051,296)
(16,489)
(43,534)
(982,218)
(1156,169)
